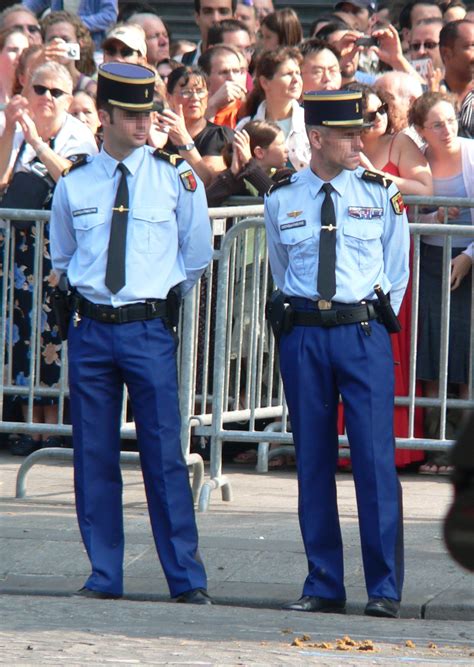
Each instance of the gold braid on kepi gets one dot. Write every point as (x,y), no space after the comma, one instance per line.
(334,108)
(126,86)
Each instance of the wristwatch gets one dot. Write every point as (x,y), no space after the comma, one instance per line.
(186,147)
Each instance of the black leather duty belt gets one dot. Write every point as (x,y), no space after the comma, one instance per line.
(133,312)
(335,316)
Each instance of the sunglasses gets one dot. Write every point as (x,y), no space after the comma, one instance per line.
(370,116)
(54,92)
(416,46)
(31,28)
(124,51)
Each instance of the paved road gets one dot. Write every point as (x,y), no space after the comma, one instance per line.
(255,561)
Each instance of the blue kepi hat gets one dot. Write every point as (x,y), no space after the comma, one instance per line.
(334,108)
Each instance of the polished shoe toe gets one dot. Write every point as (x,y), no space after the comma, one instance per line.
(195,596)
(317,604)
(383,608)
(97,595)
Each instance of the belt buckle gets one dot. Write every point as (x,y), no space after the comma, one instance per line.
(324,305)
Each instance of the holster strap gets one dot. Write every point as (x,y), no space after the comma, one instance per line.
(334,317)
(133,312)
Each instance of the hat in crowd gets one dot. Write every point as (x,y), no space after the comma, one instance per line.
(371,5)
(131,35)
(126,86)
(333,108)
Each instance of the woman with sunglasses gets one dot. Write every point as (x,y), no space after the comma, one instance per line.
(40,138)
(390,153)
(452,162)
(195,138)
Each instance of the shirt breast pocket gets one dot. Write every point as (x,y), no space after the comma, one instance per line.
(89,230)
(153,228)
(299,242)
(363,240)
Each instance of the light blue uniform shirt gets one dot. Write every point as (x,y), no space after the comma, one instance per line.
(372,239)
(168,231)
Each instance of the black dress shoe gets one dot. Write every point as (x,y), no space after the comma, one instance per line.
(97,595)
(314,603)
(383,608)
(196,596)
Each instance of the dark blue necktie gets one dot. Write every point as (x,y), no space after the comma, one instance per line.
(115,272)
(327,247)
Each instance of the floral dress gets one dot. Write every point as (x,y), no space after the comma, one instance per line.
(73,138)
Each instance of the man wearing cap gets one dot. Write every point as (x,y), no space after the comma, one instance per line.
(126,43)
(130,229)
(336,231)
(361,9)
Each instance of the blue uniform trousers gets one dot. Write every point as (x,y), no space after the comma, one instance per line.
(102,357)
(316,365)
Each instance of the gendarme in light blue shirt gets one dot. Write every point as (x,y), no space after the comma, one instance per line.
(168,231)
(372,239)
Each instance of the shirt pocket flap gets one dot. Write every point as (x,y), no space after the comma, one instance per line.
(362,230)
(88,221)
(151,214)
(296,235)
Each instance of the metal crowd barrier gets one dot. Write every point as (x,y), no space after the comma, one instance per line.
(230,388)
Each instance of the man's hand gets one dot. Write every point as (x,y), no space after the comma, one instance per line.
(14,110)
(460,267)
(390,49)
(30,133)
(227,93)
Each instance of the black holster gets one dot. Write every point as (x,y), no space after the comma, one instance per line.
(62,299)
(279,314)
(385,311)
(173,306)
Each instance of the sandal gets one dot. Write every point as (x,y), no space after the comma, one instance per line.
(247,457)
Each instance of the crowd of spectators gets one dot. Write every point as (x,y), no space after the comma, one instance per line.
(230,105)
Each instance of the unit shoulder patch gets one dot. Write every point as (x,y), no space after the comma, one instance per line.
(279,184)
(397,202)
(188,180)
(172,158)
(78,160)
(374,177)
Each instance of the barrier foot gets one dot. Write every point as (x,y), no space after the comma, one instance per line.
(197,463)
(262,457)
(51,453)
(265,454)
(221,482)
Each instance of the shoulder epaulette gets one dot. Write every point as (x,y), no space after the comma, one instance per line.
(373,177)
(279,184)
(173,158)
(78,160)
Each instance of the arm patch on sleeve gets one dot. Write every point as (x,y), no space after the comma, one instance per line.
(188,180)
(397,202)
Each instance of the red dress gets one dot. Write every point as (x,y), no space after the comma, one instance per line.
(401,359)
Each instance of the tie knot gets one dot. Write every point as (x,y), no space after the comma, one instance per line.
(122,168)
(327,188)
